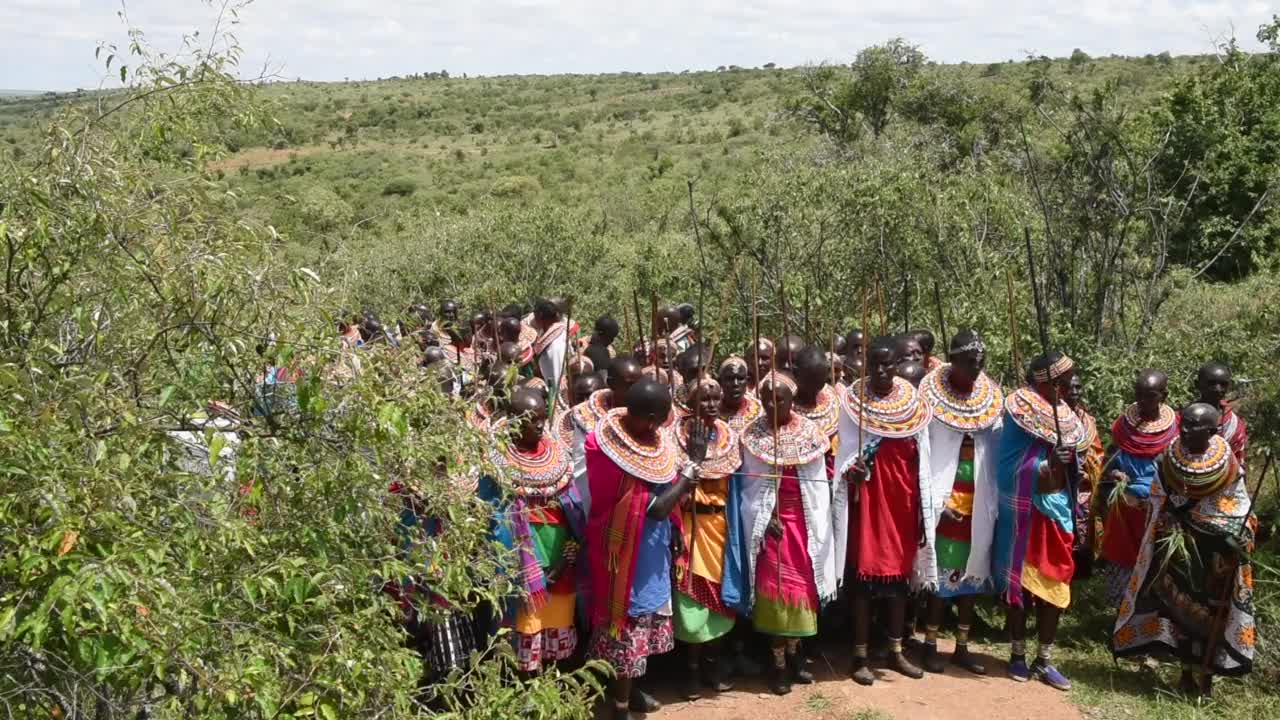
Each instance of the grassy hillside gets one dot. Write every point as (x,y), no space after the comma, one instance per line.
(446,144)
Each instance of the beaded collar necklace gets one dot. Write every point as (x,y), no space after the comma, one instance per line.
(899,414)
(1198,475)
(586,414)
(1159,426)
(825,411)
(976,410)
(799,441)
(722,449)
(651,463)
(1032,413)
(544,472)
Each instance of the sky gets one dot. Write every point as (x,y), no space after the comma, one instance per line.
(49,44)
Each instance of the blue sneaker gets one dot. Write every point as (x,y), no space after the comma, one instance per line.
(1018,671)
(1050,676)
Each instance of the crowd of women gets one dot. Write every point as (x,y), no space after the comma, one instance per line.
(674,494)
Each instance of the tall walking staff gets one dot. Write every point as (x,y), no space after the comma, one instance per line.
(1042,320)
(942,318)
(641,341)
(755,331)
(1015,354)
(884,320)
(906,303)
(808,330)
(1224,598)
(694,400)
(773,388)
(653,326)
(862,385)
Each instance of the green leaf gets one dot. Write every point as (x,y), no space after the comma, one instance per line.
(328,712)
(215,448)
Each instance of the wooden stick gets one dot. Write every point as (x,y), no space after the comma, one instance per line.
(653,327)
(1015,353)
(635,304)
(831,336)
(884,319)
(906,303)
(944,340)
(862,371)
(808,330)
(755,330)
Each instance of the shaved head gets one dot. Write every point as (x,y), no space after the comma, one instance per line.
(1199,425)
(623,373)
(911,371)
(1202,413)
(648,399)
(1150,379)
(584,385)
(526,400)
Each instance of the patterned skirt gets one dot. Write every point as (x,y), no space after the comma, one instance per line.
(447,644)
(629,654)
(547,635)
(551,645)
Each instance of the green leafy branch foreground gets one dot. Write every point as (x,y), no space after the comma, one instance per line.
(153,563)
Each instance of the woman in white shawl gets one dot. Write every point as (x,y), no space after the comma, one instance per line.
(964,438)
(549,348)
(795,526)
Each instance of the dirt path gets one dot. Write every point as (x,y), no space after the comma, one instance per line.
(957,695)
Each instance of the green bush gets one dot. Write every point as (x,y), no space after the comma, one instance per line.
(402,187)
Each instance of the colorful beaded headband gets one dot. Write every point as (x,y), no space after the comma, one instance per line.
(1063,366)
(975,345)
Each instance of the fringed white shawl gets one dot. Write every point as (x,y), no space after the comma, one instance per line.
(944,458)
(924,575)
(826,518)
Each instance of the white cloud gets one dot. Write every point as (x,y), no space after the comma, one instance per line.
(49,44)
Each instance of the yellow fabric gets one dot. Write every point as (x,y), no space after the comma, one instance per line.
(557,613)
(1054,592)
(713,531)
(961,502)
(835,445)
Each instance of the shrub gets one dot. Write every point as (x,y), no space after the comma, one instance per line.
(402,187)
